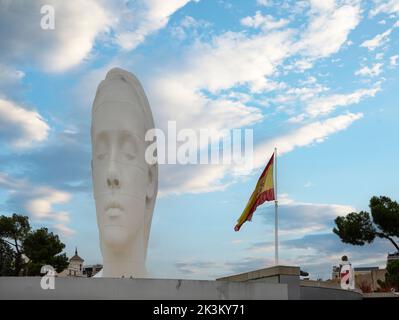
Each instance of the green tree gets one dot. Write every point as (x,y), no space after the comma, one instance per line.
(392,275)
(13,230)
(358,228)
(40,247)
(7,259)
(44,248)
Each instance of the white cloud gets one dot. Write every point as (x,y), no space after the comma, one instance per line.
(63,216)
(181,179)
(178,92)
(244,63)
(44,198)
(325,250)
(300,65)
(303,65)
(192,109)
(199,90)
(310,216)
(64,230)
(297,119)
(375,70)
(246,60)
(21,127)
(377,41)
(390,6)
(78,24)
(379,56)
(301,93)
(190,22)
(10,76)
(315,132)
(326,104)
(189,25)
(264,3)
(309,80)
(76,27)
(328,28)
(266,22)
(393,61)
(149,17)
(8,182)
(37,201)
(237,241)
(314,253)
(207,178)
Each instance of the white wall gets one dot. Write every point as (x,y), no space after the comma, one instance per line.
(106,288)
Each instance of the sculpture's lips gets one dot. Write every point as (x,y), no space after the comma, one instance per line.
(113,205)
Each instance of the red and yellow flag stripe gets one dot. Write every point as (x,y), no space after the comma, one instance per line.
(264,191)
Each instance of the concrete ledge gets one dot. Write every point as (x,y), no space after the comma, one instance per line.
(263,273)
(22,288)
(318,290)
(275,283)
(325,285)
(288,275)
(381,295)
(320,284)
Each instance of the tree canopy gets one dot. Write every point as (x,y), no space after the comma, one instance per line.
(358,228)
(392,275)
(44,248)
(13,230)
(24,252)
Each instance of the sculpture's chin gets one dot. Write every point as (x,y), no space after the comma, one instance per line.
(116,237)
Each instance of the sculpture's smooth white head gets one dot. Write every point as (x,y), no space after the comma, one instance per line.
(124,185)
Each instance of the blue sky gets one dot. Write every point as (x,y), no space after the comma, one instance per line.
(318,79)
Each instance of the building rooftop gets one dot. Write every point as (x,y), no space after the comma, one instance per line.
(76,256)
(93,266)
(366,268)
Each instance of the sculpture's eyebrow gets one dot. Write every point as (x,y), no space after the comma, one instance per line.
(127,136)
(131,135)
(128,133)
(101,135)
(104,135)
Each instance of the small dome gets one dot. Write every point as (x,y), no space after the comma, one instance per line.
(76,256)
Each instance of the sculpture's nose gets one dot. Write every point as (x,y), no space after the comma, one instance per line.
(113,181)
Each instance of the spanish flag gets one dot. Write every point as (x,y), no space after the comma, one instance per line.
(264,191)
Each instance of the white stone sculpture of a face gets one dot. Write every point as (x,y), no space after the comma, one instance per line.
(124,185)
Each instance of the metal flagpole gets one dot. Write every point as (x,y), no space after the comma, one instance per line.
(275,209)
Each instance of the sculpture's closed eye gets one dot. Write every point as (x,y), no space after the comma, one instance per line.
(101,149)
(101,156)
(128,146)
